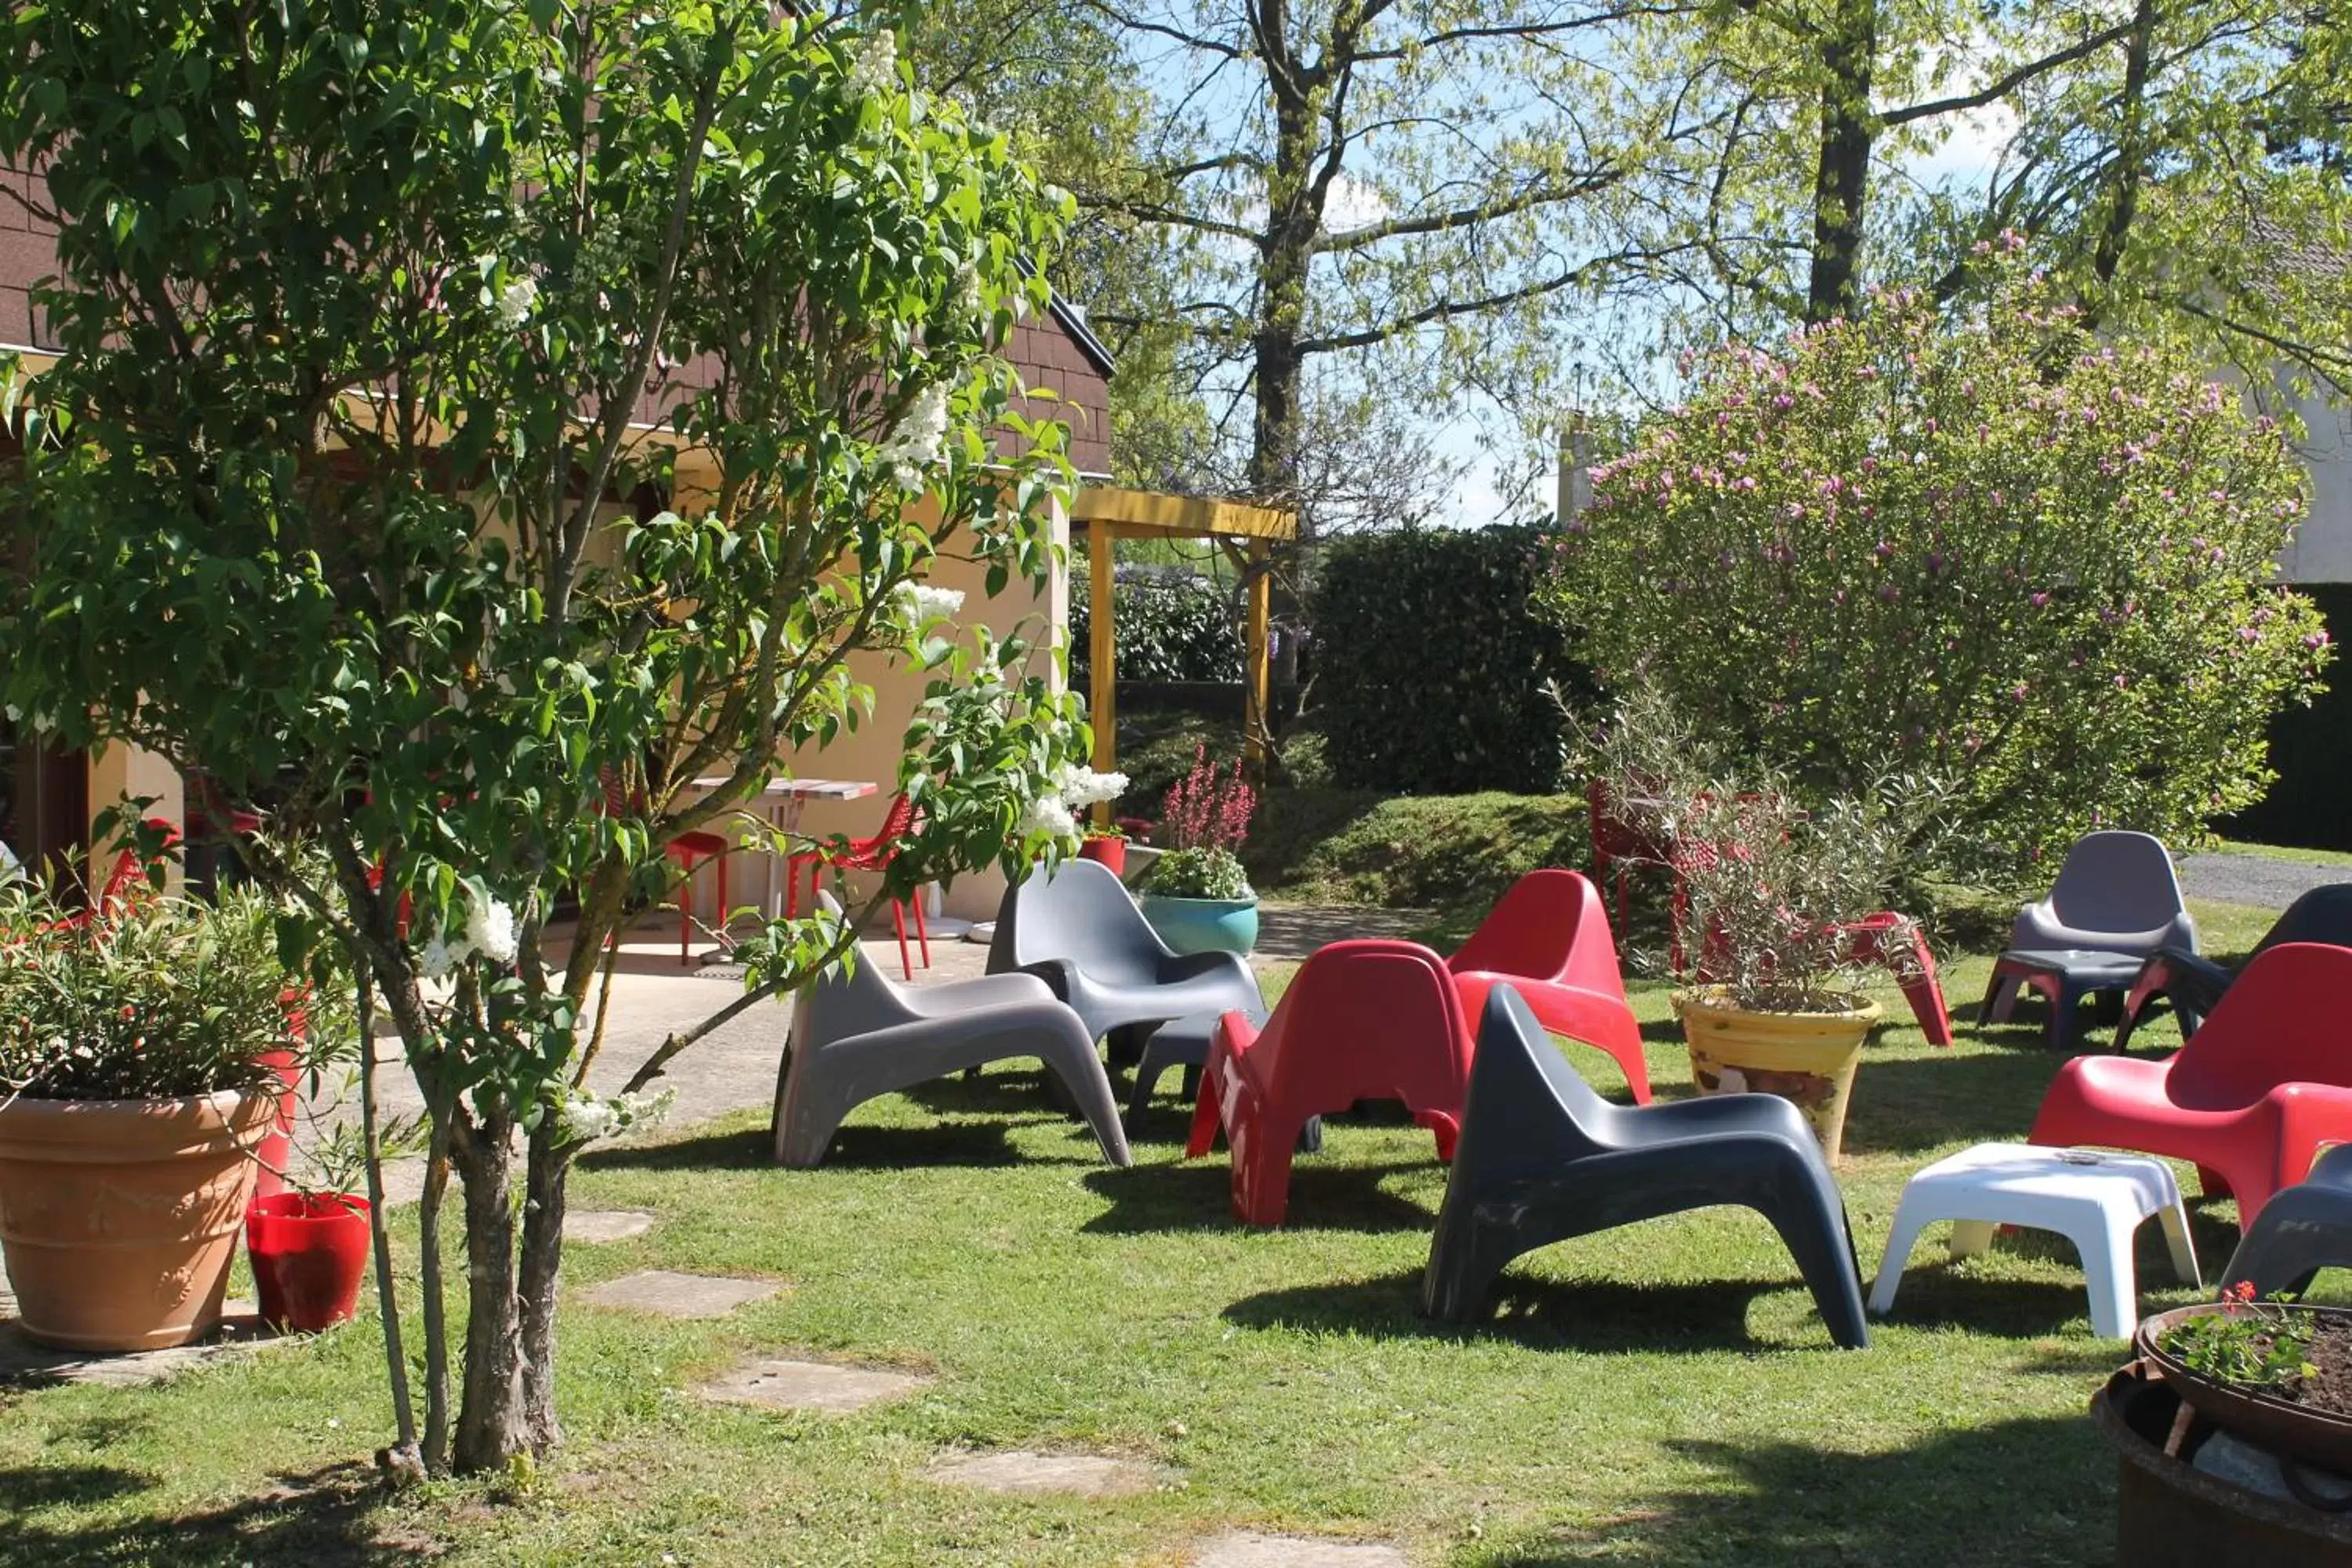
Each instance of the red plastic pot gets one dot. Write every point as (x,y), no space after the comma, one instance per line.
(1111,852)
(309,1252)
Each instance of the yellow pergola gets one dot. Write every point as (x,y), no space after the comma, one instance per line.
(1106,514)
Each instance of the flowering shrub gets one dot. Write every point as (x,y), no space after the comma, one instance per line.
(1999,551)
(158,998)
(1203,811)
(1203,820)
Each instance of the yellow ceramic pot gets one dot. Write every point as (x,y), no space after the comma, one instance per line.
(1807,1059)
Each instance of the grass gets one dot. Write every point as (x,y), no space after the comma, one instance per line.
(1454,853)
(1660,1395)
(2283,852)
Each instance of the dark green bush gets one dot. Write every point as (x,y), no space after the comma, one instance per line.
(1172,627)
(1430,661)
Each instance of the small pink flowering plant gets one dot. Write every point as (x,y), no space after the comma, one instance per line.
(1996,548)
(1202,822)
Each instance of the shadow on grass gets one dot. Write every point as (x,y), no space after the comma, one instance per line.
(1197,1195)
(746,1149)
(1589,1315)
(2038,1489)
(318,1518)
(1934,1294)
(1910,1105)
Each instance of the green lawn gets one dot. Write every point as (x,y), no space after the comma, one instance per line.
(2283,852)
(1659,1394)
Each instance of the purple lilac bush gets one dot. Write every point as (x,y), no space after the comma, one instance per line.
(2000,551)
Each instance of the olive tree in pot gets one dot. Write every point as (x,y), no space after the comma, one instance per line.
(1772,891)
(135,1085)
(1195,893)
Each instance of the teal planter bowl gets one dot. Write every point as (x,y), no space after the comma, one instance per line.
(1204,925)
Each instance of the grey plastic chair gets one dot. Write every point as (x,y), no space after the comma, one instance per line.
(1543,1158)
(1079,931)
(2302,1229)
(856,1035)
(2116,893)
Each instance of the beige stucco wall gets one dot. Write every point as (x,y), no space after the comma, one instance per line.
(125,773)
(873,753)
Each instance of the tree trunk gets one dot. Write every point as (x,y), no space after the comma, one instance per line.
(2131,153)
(1286,252)
(491,1424)
(1842,177)
(542,1257)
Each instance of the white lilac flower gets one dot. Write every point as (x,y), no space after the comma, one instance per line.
(586,1117)
(437,959)
(1049,815)
(917,442)
(490,931)
(965,301)
(875,66)
(920,603)
(516,303)
(1079,786)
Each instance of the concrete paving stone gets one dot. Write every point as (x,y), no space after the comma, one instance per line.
(1021,1473)
(1248,1549)
(241,1334)
(607,1225)
(781,1383)
(672,1294)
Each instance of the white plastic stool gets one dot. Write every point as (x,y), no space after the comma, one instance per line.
(2093,1198)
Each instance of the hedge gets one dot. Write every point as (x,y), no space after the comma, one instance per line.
(1431,660)
(1173,627)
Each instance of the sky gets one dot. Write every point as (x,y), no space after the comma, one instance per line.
(1971,149)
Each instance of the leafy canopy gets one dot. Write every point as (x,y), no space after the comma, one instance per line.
(1995,551)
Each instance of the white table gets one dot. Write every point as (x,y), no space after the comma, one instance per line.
(782,799)
(2094,1198)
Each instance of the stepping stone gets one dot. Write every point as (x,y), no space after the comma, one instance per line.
(1248,1549)
(777,1385)
(672,1294)
(1020,1473)
(607,1225)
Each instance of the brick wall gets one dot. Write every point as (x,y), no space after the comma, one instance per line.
(1048,358)
(25,254)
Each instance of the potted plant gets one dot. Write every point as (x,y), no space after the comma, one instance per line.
(307,1243)
(1195,894)
(2234,1422)
(1106,846)
(1773,894)
(135,1086)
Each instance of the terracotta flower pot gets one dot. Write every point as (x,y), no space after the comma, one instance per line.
(1807,1059)
(1111,852)
(309,1251)
(120,1218)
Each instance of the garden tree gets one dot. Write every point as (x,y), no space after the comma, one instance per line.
(1998,555)
(1418,198)
(2141,155)
(1055,77)
(476,420)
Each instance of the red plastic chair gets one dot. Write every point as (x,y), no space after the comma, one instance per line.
(866,855)
(1617,846)
(1362,1020)
(1920,987)
(2258,1091)
(1548,936)
(690,851)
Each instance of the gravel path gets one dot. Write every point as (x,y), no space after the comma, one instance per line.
(2256,879)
